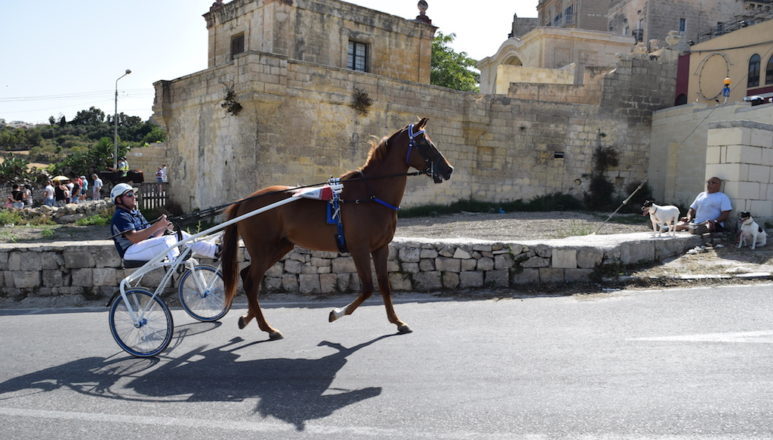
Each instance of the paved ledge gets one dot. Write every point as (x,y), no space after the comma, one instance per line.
(92,269)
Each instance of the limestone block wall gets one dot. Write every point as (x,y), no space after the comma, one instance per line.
(148,159)
(93,270)
(298,126)
(677,166)
(318,31)
(741,154)
(507,74)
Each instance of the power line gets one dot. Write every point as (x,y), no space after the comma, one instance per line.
(94,93)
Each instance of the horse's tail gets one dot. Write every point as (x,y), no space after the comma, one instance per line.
(228,256)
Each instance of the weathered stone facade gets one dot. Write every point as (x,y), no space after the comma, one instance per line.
(547,54)
(299,126)
(741,153)
(653,19)
(678,156)
(584,14)
(318,31)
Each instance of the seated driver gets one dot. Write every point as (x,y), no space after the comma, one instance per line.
(136,239)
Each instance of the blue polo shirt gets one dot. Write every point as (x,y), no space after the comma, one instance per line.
(126,221)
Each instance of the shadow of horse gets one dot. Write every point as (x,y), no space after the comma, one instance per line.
(292,390)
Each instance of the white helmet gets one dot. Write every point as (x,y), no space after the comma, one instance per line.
(119,190)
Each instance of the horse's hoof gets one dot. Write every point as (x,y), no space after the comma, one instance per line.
(403,329)
(241,323)
(275,336)
(332,316)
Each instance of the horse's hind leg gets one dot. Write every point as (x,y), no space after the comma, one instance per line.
(251,279)
(362,263)
(380,257)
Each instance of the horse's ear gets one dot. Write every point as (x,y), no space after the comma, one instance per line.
(422,123)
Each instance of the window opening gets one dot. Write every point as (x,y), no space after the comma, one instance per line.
(754,72)
(769,71)
(357,56)
(237,45)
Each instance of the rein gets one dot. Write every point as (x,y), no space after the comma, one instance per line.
(212,211)
(209,212)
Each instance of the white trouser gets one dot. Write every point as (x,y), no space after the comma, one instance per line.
(148,249)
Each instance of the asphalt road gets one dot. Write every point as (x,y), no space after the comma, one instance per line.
(681,364)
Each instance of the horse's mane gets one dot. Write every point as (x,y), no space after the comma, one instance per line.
(378,151)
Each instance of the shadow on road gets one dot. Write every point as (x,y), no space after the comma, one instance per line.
(292,390)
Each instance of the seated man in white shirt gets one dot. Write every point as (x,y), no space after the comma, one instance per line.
(709,211)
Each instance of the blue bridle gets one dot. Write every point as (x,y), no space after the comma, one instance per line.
(411,142)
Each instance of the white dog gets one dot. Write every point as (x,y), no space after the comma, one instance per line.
(661,215)
(751,232)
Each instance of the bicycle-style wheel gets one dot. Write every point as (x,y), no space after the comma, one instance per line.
(151,333)
(202,293)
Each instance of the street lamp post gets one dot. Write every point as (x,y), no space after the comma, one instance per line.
(115,122)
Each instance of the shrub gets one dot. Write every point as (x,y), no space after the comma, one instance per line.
(94,220)
(9,217)
(600,193)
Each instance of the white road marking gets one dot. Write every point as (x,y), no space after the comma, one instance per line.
(757,337)
(241,425)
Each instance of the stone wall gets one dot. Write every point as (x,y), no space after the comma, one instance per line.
(148,159)
(741,154)
(677,167)
(93,269)
(298,126)
(67,214)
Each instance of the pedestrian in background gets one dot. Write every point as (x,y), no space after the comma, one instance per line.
(75,191)
(97,185)
(17,197)
(48,194)
(84,188)
(27,190)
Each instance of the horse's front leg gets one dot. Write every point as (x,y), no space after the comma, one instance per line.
(380,257)
(362,263)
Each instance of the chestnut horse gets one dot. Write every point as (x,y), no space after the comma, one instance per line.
(369,202)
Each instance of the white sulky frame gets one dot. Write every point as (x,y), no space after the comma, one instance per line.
(157,261)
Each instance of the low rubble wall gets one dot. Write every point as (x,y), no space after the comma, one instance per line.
(69,213)
(93,270)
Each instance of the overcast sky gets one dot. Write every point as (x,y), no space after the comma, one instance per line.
(59,57)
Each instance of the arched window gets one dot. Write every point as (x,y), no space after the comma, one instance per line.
(754,72)
(769,71)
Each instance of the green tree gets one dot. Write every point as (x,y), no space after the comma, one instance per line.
(452,69)
(92,116)
(15,169)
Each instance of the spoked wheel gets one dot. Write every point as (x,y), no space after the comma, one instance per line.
(152,330)
(202,293)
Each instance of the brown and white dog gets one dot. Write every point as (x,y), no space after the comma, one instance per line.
(751,233)
(661,215)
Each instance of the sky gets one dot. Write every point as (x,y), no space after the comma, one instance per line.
(59,57)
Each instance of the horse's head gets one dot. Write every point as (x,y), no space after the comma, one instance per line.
(422,154)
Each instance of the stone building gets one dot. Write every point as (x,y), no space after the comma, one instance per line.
(580,14)
(550,55)
(304,115)
(653,19)
(745,56)
(334,34)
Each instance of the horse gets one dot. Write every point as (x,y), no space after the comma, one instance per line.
(369,199)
